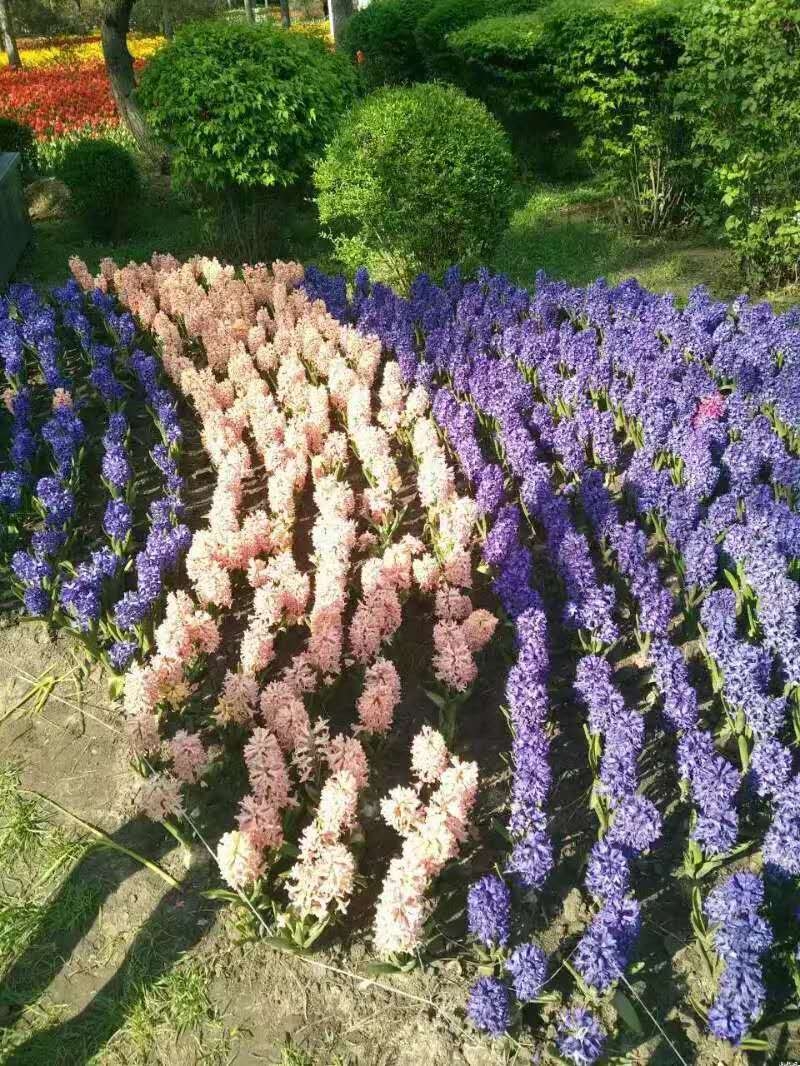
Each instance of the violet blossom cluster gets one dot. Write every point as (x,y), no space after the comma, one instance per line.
(741,937)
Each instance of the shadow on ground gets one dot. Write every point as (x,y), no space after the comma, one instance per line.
(178,922)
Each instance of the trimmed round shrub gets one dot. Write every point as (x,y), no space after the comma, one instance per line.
(381,38)
(18,137)
(446,17)
(738,92)
(104,184)
(416,180)
(243,105)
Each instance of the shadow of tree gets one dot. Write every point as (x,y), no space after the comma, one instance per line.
(177,923)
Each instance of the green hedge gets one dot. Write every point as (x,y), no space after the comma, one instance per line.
(104,184)
(506,59)
(447,16)
(18,137)
(738,93)
(382,36)
(583,59)
(595,69)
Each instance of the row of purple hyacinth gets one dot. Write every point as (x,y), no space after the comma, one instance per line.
(395,321)
(38,334)
(602,954)
(532,858)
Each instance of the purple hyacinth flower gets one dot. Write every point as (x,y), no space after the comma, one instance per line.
(489,911)
(488,1006)
(37,600)
(580,1037)
(532,859)
(527,965)
(12,485)
(117,520)
(29,568)
(121,653)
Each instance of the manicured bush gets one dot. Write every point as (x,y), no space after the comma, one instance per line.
(244,105)
(598,66)
(446,17)
(738,91)
(18,137)
(381,38)
(416,179)
(104,184)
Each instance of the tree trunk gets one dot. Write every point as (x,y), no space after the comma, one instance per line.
(248,10)
(286,19)
(119,65)
(166,18)
(340,12)
(9,40)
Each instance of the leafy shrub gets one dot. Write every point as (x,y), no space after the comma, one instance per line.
(382,37)
(600,66)
(416,179)
(104,184)
(738,91)
(17,137)
(243,105)
(446,17)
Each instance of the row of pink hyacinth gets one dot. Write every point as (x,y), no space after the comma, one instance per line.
(259,362)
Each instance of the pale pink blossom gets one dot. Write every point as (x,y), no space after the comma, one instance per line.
(266,767)
(380,696)
(427,572)
(347,754)
(452,605)
(159,797)
(239,859)
(143,733)
(261,821)
(189,756)
(257,648)
(402,810)
(429,756)
(338,805)
(457,567)
(453,663)
(432,835)
(284,713)
(478,629)
(237,701)
(322,879)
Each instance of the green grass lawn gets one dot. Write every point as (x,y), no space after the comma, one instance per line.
(569,231)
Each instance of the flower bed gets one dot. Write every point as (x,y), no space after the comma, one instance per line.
(63,91)
(36,53)
(596,481)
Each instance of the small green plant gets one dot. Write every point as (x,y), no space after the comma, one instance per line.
(244,106)
(381,38)
(18,137)
(104,183)
(416,179)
